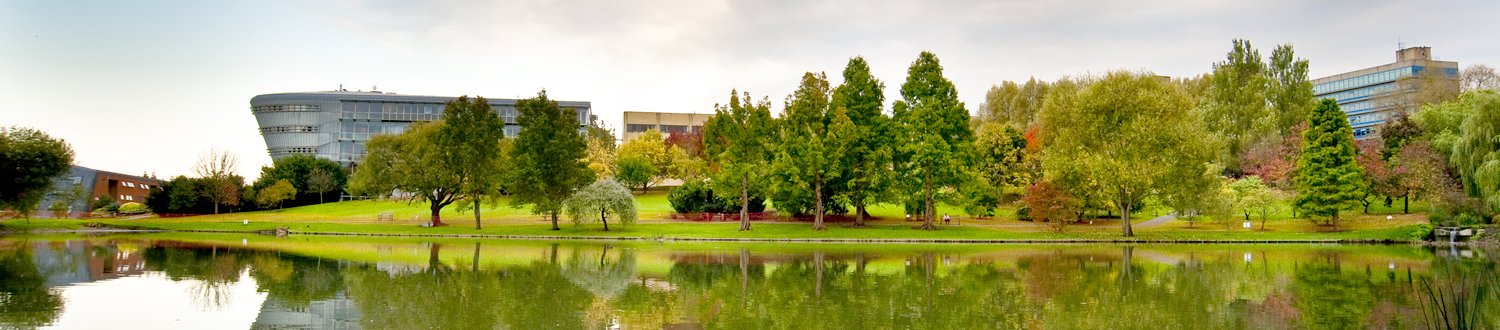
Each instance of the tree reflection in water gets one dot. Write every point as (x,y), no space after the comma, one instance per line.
(579,285)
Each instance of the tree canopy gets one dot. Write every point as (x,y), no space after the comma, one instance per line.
(807,168)
(29,160)
(548,157)
(602,198)
(738,142)
(1123,138)
(867,156)
(1328,178)
(934,135)
(407,163)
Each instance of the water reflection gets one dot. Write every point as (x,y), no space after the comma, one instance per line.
(402,284)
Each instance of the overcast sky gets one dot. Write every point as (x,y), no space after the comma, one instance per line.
(147,86)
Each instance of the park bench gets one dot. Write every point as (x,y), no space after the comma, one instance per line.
(385,216)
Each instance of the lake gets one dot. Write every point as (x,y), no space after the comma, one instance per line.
(202,281)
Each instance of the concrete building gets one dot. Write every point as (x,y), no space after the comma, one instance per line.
(637,122)
(93,184)
(335,125)
(1372,95)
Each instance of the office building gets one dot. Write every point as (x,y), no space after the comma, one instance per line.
(637,122)
(1370,96)
(335,125)
(81,185)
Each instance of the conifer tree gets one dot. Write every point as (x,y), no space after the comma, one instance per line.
(1328,178)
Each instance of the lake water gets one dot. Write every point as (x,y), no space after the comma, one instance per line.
(179,281)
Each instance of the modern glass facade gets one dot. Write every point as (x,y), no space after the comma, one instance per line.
(1371,96)
(335,125)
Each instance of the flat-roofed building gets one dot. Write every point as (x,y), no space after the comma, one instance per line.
(335,125)
(1370,96)
(637,122)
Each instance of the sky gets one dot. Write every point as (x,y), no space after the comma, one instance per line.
(149,86)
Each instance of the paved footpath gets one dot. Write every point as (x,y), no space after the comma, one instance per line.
(1157,221)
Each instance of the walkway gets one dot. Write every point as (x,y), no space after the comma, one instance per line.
(1157,221)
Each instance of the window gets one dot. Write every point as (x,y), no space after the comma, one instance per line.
(129,197)
(637,128)
(674,129)
(77,180)
(127,184)
(283,108)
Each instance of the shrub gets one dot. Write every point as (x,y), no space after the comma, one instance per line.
(697,196)
(1420,232)
(132,208)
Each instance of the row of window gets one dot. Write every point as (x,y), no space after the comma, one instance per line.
(1365,80)
(283,108)
(127,198)
(289,129)
(134,185)
(1360,92)
(1367,119)
(292,150)
(638,128)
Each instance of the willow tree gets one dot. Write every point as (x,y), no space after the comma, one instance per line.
(1476,152)
(737,139)
(547,157)
(934,135)
(1329,180)
(867,159)
(602,198)
(811,142)
(1125,137)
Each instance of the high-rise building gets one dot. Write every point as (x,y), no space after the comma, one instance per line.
(335,125)
(1370,96)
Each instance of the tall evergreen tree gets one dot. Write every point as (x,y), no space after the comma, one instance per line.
(547,156)
(934,136)
(867,159)
(807,167)
(1235,106)
(1328,178)
(471,133)
(737,139)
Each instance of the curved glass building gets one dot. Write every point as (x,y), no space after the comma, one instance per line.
(335,125)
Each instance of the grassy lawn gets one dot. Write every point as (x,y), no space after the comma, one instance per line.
(361,217)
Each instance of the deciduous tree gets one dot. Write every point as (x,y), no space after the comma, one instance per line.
(548,157)
(1048,202)
(29,160)
(471,132)
(634,171)
(737,139)
(1289,91)
(276,193)
(408,163)
(1000,152)
(934,136)
(1123,138)
(1329,180)
(1476,154)
(666,159)
(603,198)
(1235,107)
(1479,77)
(322,181)
(217,168)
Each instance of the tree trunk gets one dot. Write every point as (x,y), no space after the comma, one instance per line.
(476,257)
(477,201)
(1406,202)
(603,219)
(320,198)
(744,203)
(927,210)
(818,268)
(744,276)
(216,207)
(1335,220)
(433,262)
(554,221)
(437,218)
(818,209)
(859,214)
(1125,218)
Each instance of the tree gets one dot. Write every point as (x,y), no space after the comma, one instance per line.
(634,171)
(278,192)
(298,170)
(1274,159)
(806,170)
(1124,138)
(1014,105)
(217,168)
(1235,103)
(605,197)
(737,139)
(1048,202)
(1476,154)
(1329,180)
(29,160)
(548,157)
(1289,91)
(867,158)
(1251,195)
(1442,123)
(1479,77)
(666,159)
(601,157)
(932,150)
(471,132)
(409,162)
(1001,154)
(322,181)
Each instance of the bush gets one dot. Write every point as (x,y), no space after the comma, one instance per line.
(1420,232)
(132,208)
(697,196)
